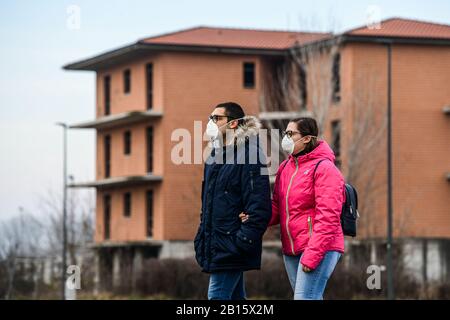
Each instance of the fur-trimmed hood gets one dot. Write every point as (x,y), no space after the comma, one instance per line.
(249,127)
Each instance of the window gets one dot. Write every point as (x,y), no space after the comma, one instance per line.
(127,142)
(127,204)
(150,149)
(302,86)
(249,75)
(106,216)
(336,78)
(149,205)
(336,140)
(149,84)
(107,94)
(107,151)
(127,81)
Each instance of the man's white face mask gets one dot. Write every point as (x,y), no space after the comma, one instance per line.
(288,145)
(212,129)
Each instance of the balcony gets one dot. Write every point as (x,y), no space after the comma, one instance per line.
(117,120)
(118,182)
(123,244)
(283,115)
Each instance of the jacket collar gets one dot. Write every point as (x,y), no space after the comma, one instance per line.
(322,151)
(250,127)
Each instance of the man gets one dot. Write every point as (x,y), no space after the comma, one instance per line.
(233,182)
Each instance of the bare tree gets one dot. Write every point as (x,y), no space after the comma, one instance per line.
(19,237)
(80,223)
(308,80)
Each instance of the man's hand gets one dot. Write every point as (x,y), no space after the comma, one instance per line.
(306,269)
(244,217)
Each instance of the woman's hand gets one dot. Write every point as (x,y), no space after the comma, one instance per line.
(244,217)
(306,269)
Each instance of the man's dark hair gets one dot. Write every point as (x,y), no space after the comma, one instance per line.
(232,110)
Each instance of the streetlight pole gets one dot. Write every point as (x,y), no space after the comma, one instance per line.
(64,218)
(390,266)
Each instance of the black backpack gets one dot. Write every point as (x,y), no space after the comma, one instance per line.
(350,212)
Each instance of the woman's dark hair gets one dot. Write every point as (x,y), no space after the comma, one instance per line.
(232,110)
(308,127)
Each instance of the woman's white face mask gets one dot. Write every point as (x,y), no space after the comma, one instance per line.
(288,145)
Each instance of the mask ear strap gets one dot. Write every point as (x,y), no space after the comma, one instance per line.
(233,120)
(304,137)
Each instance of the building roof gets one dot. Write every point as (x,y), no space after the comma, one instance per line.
(206,39)
(262,42)
(404,28)
(236,38)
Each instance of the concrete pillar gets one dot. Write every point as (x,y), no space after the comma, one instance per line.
(116,269)
(424,262)
(97,272)
(373,252)
(137,270)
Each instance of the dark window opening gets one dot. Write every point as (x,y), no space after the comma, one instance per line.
(107,94)
(127,81)
(127,142)
(127,204)
(302,86)
(249,75)
(150,149)
(107,216)
(149,84)
(149,205)
(336,140)
(107,150)
(336,78)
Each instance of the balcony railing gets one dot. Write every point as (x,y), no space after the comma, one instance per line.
(118,181)
(283,115)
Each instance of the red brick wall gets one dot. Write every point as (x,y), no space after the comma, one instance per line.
(188,85)
(193,85)
(421,154)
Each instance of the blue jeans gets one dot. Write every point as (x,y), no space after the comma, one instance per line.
(310,285)
(226,285)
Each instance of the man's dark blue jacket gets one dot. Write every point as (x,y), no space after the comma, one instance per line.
(233,182)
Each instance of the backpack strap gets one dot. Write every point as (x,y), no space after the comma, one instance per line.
(315,168)
(283,164)
(314,176)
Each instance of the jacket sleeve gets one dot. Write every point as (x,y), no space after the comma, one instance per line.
(329,192)
(256,202)
(276,198)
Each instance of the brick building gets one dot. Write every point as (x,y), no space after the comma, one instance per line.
(149,206)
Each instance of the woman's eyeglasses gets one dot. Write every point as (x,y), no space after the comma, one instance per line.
(290,133)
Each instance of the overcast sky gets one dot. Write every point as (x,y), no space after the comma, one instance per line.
(36,40)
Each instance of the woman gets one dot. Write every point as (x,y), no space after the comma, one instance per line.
(307,203)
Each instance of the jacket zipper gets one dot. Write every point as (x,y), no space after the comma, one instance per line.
(251,179)
(287,207)
(310,226)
